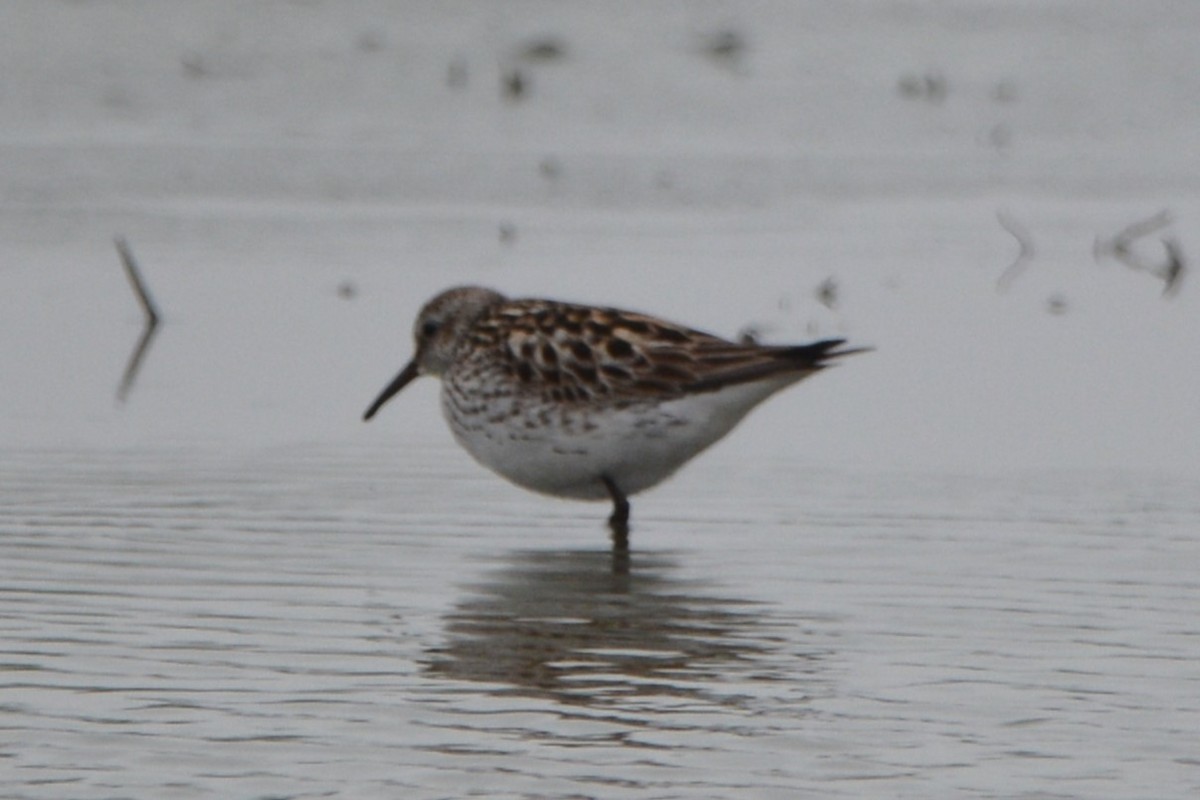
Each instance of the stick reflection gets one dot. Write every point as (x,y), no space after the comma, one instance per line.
(134,365)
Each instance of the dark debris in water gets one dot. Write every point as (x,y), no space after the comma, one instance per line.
(514,84)
(1057,304)
(725,45)
(827,292)
(929,86)
(543,49)
(1123,248)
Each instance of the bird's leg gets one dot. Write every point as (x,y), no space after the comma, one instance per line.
(619,521)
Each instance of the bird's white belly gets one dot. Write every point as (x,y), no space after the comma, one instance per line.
(566,451)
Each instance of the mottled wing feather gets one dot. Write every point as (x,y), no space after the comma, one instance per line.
(757,362)
(582,354)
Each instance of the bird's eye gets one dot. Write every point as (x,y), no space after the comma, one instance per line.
(429,328)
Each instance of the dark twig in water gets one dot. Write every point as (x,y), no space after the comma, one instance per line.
(1024,255)
(148,329)
(1121,248)
(135,279)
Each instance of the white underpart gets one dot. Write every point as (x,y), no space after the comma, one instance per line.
(568,453)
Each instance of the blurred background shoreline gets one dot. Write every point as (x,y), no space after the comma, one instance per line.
(297,177)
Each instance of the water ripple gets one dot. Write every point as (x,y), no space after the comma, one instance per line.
(290,623)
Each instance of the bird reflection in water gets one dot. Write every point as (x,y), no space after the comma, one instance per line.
(597,628)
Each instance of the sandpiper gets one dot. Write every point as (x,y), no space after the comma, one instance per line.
(586,402)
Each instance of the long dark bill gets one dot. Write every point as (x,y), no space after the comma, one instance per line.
(399,382)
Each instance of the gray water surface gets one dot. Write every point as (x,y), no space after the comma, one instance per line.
(300,623)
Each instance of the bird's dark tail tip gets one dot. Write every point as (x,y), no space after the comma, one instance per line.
(821,354)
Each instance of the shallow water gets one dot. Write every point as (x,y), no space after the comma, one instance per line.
(298,623)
